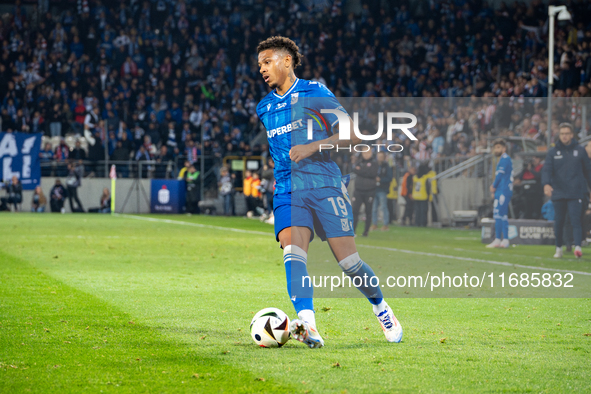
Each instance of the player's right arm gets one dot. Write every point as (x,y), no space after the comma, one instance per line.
(547,171)
(300,152)
(586,168)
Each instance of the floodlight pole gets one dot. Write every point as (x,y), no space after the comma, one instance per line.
(564,15)
(551,13)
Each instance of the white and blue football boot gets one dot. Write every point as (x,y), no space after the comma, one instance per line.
(390,325)
(305,333)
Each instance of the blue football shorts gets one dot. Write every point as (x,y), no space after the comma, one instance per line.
(501,205)
(326,211)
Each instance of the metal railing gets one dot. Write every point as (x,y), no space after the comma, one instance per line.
(147,169)
(441,164)
(144,169)
(475,166)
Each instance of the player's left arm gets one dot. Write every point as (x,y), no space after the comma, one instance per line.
(497,180)
(510,175)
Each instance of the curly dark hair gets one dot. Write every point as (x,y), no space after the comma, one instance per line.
(500,141)
(282,43)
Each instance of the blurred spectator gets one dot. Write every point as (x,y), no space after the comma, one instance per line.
(58,197)
(91,121)
(183,171)
(163,159)
(529,194)
(193,189)
(45,158)
(420,195)
(256,193)
(62,151)
(142,155)
(46,154)
(73,182)
(14,191)
(38,200)
(56,119)
(247,191)
(96,153)
(380,202)
(77,153)
(433,191)
(366,170)
(393,200)
(268,185)
(105,203)
(120,153)
(226,189)
(406,191)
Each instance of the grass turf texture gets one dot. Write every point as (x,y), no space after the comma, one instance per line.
(116,304)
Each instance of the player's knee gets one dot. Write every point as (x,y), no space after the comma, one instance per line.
(294,252)
(351,263)
(284,237)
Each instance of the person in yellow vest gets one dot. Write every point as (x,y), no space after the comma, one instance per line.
(183,171)
(393,199)
(420,195)
(406,191)
(256,194)
(380,201)
(247,191)
(433,184)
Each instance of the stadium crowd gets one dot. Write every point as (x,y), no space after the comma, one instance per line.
(158,74)
(155,77)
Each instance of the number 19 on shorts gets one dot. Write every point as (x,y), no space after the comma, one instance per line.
(341,205)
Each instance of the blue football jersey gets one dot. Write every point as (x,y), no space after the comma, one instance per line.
(286,119)
(504,175)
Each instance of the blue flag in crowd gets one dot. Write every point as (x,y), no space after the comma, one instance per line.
(19,156)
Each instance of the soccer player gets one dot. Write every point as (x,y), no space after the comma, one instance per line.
(309,194)
(502,188)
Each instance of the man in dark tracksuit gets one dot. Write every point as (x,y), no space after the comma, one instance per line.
(566,176)
(365,188)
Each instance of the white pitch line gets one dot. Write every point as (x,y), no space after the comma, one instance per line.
(504,263)
(445,256)
(236,230)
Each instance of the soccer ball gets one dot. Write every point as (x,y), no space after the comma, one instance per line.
(270,328)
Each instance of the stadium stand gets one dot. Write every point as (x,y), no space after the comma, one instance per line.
(168,73)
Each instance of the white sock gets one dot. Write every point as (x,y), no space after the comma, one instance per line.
(307,315)
(377,309)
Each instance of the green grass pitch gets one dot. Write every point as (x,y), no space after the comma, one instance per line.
(116,304)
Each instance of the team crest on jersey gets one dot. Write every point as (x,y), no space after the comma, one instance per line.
(576,153)
(268,107)
(345,224)
(294,98)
